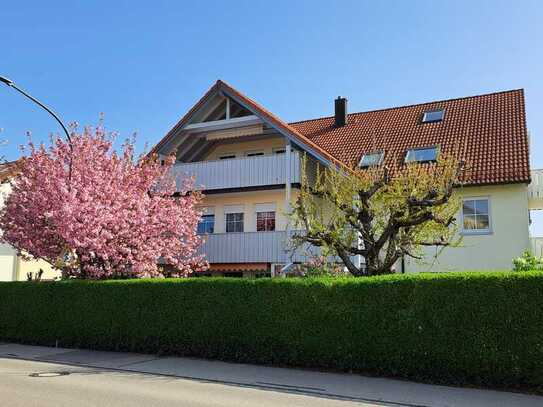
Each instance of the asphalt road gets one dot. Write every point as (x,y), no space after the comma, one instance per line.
(28,383)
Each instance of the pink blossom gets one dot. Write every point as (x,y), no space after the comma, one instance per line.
(118,216)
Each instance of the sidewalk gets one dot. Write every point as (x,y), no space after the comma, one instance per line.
(330,385)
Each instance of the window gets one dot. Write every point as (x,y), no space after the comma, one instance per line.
(476,215)
(265,221)
(234,222)
(206,224)
(227,156)
(371,159)
(280,150)
(433,116)
(254,153)
(421,155)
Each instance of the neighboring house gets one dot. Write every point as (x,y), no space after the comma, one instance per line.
(247,161)
(12,266)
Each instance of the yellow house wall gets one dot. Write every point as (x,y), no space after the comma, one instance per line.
(509,236)
(12,266)
(33,266)
(241,148)
(248,200)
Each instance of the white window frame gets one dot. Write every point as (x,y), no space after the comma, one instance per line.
(424,116)
(487,231)
(209,210)
(381,157)
(266,208)
(406,158)
(228,209)
(274,221)
(214,223)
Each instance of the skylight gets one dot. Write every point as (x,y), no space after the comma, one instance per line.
(371,159)
(433,116)
(421,155)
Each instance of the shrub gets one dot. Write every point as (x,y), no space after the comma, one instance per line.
(463,328)
(527,262)
(320,267)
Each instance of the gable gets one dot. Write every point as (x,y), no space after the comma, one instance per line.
(179,135)
(218,107)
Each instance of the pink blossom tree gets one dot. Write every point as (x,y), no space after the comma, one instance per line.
(116,216)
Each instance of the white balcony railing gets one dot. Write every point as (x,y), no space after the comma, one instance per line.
(537,246)
(251,247)
(535,190)
(244,172)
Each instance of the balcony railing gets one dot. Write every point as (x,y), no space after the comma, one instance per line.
(535,190)
(251,247)
(537,246)
(244,172)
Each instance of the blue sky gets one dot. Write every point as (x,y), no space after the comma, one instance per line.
(145,63)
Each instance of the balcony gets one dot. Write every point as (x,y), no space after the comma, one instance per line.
(537,246)
(535,190)
(250,247)
(244,172)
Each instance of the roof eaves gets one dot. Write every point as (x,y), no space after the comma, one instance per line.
(277,122)
(184,120)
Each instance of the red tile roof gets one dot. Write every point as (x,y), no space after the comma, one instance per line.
(488,132)
(8,170)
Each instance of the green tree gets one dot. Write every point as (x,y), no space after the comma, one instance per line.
(376,214)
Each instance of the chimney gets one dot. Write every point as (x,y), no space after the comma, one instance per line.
(341,111)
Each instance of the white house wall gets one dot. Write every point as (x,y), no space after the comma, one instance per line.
(8,263)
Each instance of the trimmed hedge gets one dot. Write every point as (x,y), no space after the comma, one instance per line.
(461,328)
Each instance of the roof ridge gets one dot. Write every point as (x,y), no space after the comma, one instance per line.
(415,104)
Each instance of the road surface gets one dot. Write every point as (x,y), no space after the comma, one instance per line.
(52,376)
(28,384)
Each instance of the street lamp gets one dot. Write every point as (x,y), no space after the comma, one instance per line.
(10,83)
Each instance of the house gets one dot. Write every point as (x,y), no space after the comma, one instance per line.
(12,266)
(247,162)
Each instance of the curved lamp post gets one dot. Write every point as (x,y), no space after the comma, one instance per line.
(10,83)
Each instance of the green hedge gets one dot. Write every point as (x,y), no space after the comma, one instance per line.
(475,328)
